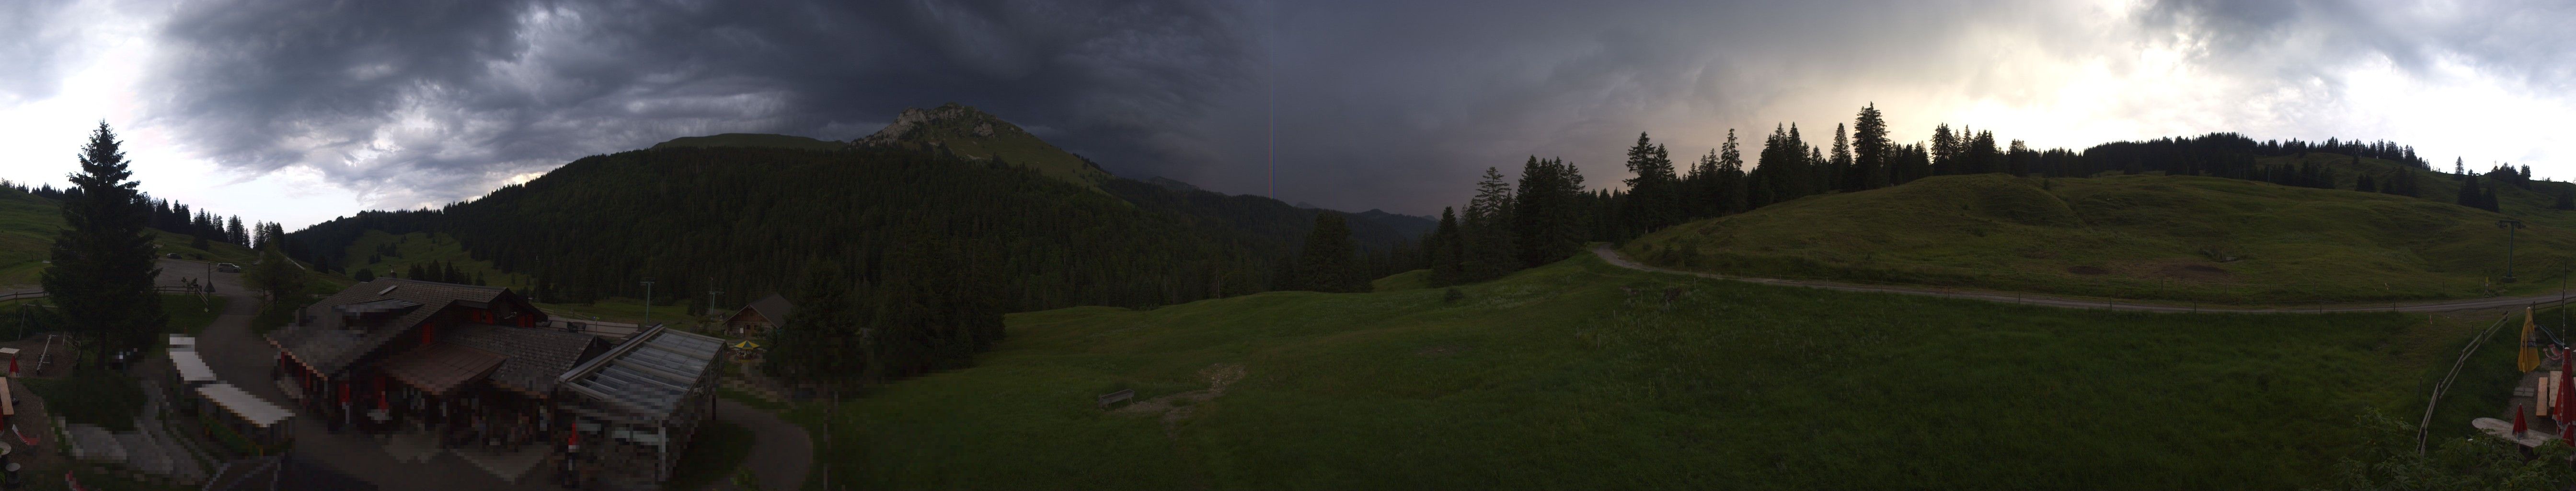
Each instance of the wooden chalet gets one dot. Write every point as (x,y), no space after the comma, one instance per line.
(760,317)
(481,366)
(467,361)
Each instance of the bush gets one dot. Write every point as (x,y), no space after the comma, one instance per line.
(92,396)
(1453,296)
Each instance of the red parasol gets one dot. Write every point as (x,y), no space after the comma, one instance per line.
(573,442)
(2517,421)
(2567,432)
(2564,386)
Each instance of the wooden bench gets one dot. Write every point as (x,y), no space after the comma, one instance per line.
(1116,397)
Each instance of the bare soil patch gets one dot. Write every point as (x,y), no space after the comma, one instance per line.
(1175,408)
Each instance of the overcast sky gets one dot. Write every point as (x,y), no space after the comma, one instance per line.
(298,111)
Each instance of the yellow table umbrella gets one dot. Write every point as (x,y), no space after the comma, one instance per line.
(747,345)
(2528,358)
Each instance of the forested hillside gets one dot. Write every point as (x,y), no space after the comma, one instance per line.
(754,220)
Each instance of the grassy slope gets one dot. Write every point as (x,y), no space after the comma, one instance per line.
(426,250)
(1561,377)
(1409,280)
(27,227)
(2126,236)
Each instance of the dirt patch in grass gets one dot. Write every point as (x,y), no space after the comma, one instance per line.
(1175,408)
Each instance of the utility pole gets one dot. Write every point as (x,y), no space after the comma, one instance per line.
(711,295)
(2509,225)
(648,300)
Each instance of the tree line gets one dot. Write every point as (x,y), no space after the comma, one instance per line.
(1549,216)
(178,218)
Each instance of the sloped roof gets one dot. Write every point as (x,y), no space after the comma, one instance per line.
(648,374)
(533,357)
(249,407)
(442,367)
(329,345)
(773,307)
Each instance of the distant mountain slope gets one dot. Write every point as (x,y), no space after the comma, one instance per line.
(757,220)
(747,212)
(972,134)
(1265,217)
(1408,225)
(2140,236)
(757,140)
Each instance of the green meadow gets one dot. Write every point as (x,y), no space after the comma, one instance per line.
(2155,237)
(1581,375)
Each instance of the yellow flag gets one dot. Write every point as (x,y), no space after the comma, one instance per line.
(2529,357)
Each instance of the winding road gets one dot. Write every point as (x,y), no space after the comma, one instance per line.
(1612,256)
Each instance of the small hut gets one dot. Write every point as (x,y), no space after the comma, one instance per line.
(760,317)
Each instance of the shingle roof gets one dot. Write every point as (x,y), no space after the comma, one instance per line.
(534,357)
(328,345)
(773,307)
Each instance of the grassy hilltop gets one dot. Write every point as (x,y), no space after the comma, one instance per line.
(2138,236)
(28,224)
(1583,375)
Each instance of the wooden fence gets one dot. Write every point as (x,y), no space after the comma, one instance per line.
(2423,428)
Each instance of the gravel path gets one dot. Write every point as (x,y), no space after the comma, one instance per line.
(1612,256)
(781,453)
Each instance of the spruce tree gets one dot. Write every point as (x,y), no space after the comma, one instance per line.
(1845,177)
(1327,264)
(2469,195)
(1650,188)
(1488,230)
(1447,250)
(103,267)
(2566,199)
(1869,148)
(820,342)
(1730,176)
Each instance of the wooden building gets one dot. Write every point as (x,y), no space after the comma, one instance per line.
(480,366)
(760,317)
(466,361)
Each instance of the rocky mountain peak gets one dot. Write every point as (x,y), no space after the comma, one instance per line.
(951,120)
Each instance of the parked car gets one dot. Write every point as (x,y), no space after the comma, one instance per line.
(227,268)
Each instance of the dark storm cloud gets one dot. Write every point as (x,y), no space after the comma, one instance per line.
(415,102)
(1359,104)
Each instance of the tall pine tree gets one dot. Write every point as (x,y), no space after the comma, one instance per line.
(1870,148)
(1652,197)
(103,266)
(1547,212)
(1448,250)
(1488,229)
(1328,263)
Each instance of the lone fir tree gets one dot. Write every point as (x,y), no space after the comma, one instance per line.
(103,265)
